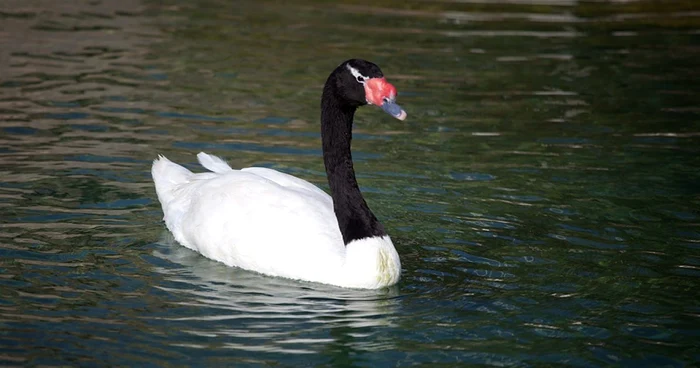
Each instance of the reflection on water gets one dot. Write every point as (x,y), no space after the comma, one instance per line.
(258,313)
(543,194)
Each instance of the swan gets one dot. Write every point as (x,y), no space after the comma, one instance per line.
(262,220)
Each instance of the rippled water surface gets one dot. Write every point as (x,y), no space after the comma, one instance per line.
(543,193)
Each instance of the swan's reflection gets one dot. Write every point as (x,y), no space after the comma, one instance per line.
(249,311)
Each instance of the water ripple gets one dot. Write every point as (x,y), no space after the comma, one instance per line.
(541,194)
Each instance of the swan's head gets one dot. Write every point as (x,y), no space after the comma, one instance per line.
(362,82)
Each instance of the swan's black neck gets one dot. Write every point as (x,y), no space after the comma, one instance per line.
(355,219)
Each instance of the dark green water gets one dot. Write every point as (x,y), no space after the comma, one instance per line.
(544,192)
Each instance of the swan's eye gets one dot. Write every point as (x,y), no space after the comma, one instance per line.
(355,73)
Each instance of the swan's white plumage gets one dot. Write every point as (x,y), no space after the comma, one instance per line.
(266,221)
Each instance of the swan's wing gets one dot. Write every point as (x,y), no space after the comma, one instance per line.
(244,219)
(287,180)
(213,163)
(253,205)
(219,166)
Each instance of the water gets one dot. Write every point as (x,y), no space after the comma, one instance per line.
(543,193)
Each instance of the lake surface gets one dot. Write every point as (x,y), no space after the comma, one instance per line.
(544,192)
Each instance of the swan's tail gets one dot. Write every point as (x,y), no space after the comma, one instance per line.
(167,175)
(213,163)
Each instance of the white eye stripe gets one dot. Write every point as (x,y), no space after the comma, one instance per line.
(355,73)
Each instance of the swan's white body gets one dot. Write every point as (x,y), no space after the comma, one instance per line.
(266,221)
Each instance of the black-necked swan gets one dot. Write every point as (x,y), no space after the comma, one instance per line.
(273,223)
